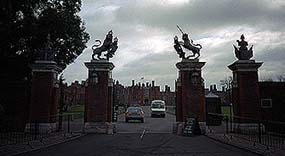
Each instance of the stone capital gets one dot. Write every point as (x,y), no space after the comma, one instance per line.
(245,65)
(46,66)
(99,65)
(190,65)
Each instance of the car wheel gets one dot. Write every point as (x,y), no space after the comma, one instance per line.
(142,120)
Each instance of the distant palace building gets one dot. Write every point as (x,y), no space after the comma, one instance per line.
(272,97)
(136,94)
(74,94)
(141,94)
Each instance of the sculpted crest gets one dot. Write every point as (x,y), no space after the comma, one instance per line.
(188,44)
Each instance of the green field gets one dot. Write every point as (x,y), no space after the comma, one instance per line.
(226,110)
(76,108)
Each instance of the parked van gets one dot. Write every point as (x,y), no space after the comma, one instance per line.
(157,108)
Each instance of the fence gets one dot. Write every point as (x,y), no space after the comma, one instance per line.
(268,133)
(171,109)
(60,125)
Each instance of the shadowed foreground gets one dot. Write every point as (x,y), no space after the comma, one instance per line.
(131,144)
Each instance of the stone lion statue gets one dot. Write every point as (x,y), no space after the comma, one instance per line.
(108,46)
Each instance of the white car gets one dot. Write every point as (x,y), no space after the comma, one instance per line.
(157,108)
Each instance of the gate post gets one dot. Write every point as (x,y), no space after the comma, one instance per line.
(99,100)
(190,93)
(245,88)
(44,96)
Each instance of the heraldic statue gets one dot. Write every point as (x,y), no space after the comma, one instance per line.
(188,44)
(242,53)
(108,46)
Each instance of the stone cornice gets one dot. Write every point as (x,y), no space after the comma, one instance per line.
(99,65)
(190,65)
(45,66)
(245,65)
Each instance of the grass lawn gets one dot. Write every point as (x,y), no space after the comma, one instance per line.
(226,110)
(75,112)
(76,108)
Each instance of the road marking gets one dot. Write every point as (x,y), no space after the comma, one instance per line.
(143,134)
(148,132)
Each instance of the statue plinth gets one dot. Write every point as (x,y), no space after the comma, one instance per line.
(190,92)
(246,99)
(44,96)
(190,64)
(245,65)
(99,93)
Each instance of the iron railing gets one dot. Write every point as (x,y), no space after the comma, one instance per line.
(268,133)
(58,125)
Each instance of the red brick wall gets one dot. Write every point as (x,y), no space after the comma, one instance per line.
(192,96)
(179,116)
(276,92)
(41,96)
(97,102)
(246,98)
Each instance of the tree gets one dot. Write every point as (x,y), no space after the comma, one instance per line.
(26,26)
(227,84)
(280,78)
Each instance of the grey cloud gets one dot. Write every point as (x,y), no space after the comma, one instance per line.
(273,62)
(159,67)
(272,55)
(201,19)
(201,15)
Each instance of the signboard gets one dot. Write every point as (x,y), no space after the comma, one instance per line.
(191,127)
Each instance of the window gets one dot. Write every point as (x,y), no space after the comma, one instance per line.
(157,105)
(266,103)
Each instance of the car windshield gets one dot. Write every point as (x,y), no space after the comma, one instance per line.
(157,105)
(134,110)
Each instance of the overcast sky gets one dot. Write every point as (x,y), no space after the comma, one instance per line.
(146,28)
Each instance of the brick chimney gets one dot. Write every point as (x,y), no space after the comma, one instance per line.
(152,82)
(133,82)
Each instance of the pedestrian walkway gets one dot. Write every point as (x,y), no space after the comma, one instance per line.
(15,149)
(247,145)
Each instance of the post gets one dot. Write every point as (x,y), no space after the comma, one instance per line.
(99,97)
(190,92)
(227,125)
(61,102)
(68,123)
(44,95)
(231,117)
(259,132)
(36,130)
(60,121)
(245,88)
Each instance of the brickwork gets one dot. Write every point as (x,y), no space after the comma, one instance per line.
(98,97)
(191,96)
(44,92)
(275,92)
(246,99)
(168,96)
(74,94)
(142,94)
(179,115)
